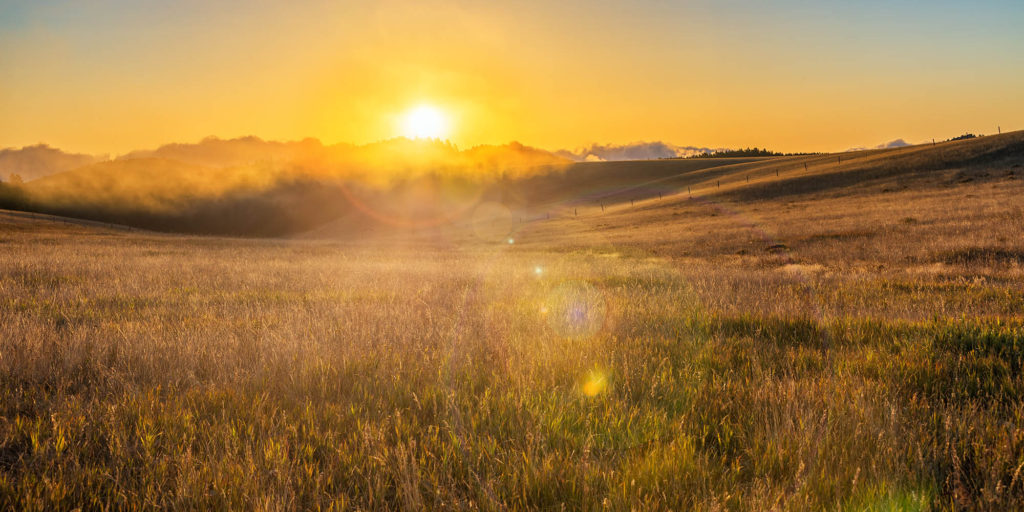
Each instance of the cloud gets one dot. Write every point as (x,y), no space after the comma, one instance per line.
(635,151)
(898,143)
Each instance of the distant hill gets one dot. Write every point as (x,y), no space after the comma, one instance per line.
(743,153)
(32,162)
(635,151)
(392,157)
(216,152)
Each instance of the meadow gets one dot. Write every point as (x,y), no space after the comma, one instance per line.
(829,337)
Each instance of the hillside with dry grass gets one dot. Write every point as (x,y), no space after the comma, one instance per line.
(795,333)
(252,187)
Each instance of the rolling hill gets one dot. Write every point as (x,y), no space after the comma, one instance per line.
(377,192)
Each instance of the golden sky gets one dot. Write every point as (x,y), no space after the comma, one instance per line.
(791,75)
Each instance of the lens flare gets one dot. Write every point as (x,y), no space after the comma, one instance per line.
(596,382)
(577,310)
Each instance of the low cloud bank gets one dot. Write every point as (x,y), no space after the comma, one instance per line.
(635,151)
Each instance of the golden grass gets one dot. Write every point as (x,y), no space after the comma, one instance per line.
(857,349)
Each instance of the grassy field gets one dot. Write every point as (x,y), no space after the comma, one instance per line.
(848,336)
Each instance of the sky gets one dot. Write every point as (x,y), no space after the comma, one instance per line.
(106,76)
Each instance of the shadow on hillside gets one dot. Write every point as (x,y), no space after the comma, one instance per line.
(878,170)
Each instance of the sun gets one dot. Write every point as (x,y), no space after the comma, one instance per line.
(424,122)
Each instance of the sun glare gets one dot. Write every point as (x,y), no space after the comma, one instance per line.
(424,122)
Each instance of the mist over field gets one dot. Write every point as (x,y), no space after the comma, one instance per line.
(253,187)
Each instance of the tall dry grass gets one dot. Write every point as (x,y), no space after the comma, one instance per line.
(727,357)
